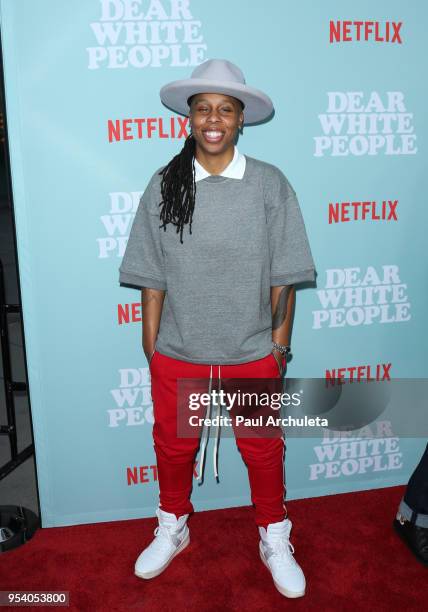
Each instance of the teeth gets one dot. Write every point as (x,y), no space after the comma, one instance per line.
(213,134)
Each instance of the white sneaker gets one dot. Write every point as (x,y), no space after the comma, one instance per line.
(276,552)
(172,536)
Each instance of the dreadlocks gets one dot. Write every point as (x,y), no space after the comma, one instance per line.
(178,188)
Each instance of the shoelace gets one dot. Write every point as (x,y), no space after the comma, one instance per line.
(282,546)
(163,537)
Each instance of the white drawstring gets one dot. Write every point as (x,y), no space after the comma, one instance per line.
(206,429)
(215,461)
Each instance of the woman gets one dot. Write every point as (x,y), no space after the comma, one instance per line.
(217,298)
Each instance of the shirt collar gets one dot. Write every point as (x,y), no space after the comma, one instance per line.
(235,169)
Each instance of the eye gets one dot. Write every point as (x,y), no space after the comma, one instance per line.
(202,109)
(227,109)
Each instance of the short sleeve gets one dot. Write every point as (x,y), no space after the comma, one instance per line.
(290,253)
(143,262)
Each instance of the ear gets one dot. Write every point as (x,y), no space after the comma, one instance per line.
(241,114)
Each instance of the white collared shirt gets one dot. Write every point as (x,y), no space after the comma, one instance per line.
(235,169)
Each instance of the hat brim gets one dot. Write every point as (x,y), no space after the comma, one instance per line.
(258,106)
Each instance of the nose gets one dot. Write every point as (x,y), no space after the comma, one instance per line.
(213,117)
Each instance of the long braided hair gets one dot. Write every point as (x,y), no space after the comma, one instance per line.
(178,188)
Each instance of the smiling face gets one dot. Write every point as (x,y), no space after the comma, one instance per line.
(215,120)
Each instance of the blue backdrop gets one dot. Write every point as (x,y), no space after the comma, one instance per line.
(87,130)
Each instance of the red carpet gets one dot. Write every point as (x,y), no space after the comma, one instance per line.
(345,544)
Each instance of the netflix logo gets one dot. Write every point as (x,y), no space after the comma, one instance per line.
(369,210)
(350,374)
(142,128)
(357,31)
(129,313)
(144,474)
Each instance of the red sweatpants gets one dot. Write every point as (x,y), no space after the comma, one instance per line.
(264,457)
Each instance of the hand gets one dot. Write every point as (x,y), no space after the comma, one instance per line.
(149,355)
(280,359)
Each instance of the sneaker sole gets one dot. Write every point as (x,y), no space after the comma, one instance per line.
(154,573)
(281,589)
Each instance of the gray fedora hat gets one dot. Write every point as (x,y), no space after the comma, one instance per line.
(217,76)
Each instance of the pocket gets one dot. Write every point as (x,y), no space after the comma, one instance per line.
(276,363)
(152,359)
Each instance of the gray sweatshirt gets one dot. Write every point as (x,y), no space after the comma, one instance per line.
(247,235)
